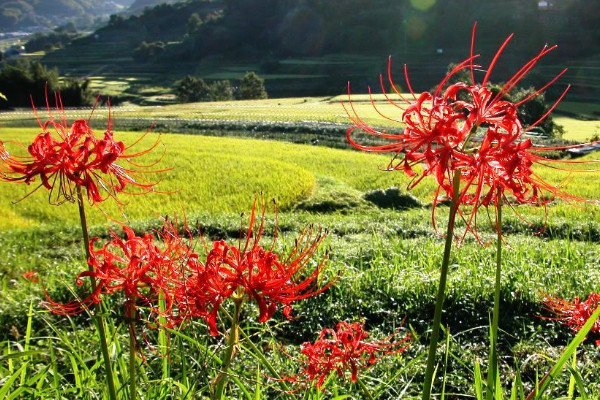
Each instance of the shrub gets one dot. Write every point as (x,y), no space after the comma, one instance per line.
(252,87)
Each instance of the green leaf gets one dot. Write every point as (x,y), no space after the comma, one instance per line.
(567,354)
(576,375)
(478,382)
(24,354)
(5,389)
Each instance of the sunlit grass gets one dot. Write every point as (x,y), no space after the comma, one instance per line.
(302,109)
(578,130)
(207,174)
(388,263)
(220,175)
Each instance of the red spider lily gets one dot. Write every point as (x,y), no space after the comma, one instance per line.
(576,313)
(4,156)
(341,350)
(468,128)
(6,161)
(253,273)
(136,266)
(74,156)
(31,276)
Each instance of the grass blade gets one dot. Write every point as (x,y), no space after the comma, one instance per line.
(578,380)
(5,389)
(478,382)
(567,354)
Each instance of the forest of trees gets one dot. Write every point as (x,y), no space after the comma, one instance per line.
(426,34)
(24,83)
(289,28)
(277,29)
(314,27)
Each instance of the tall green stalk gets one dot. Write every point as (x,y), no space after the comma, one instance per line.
(98,319)
(493,360)
(441,294)
(365,389)
(233,340)
(132,354)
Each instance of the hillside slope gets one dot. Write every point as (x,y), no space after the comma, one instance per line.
(314,47)
(23,14)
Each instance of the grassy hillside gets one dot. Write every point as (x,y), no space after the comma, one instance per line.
(218,175)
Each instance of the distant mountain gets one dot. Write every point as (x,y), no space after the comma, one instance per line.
(31,14)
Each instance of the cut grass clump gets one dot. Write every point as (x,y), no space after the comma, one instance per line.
(392,198)
(332,196)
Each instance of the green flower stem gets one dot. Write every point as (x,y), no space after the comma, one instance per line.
(99,321)
(493,360)
(263,360)
(439,304)
(163,337)
(233,340)
(132,354)
(364,389)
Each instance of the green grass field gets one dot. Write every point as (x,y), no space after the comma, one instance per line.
(388,263)
(582,123)
(221,174)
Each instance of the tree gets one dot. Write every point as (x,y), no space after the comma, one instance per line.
(221,91)
(74,92)
(252,87)
(191,89)
(26,82)
(23,82)
(534,109)
(146,51)
(193,24)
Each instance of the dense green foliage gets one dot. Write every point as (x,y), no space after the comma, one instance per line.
(252,87)
(147,51)
(535,109)
(25,82)
(313,47)
(193,89)
(50,41)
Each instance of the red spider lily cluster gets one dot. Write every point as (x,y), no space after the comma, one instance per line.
(64,157)
(343,350)
(252,273)
(140,267)
(576,313)
(145,269)
(467,127)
